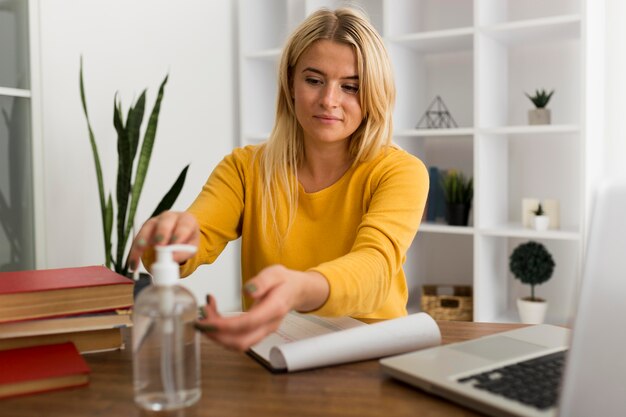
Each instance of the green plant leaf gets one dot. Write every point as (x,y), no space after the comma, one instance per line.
(133,126)
(96,158)
(123,174)
(170,197)
(108,228)
(144,158)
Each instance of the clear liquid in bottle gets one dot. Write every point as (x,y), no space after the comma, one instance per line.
(166,362)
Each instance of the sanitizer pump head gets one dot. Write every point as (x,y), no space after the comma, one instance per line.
(165,271)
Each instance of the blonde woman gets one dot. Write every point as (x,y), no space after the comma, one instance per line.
(327,208)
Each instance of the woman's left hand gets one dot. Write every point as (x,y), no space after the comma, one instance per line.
(276,291)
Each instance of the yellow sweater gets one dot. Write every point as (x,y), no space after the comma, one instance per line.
(355,232)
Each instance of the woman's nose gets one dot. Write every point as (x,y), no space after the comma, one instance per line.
(330,97)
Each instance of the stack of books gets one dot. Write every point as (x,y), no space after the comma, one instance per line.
(86,305)
(48,318)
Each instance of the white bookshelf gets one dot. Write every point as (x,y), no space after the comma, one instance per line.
(480,56)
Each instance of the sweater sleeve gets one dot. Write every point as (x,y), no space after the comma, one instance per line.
(218,209)
(360,281)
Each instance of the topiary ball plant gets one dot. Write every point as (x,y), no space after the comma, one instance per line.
(532,264)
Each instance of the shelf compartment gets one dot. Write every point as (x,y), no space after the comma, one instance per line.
(425,266)
(543,30)
(506,73)
(514,167)
(411,16)
(503,288)
(421,77)
(455,152)
(451,40)
(259,84)
(277,17)
(494,12)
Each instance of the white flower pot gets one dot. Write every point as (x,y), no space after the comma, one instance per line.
(541,222)
(539,116)
(531,312)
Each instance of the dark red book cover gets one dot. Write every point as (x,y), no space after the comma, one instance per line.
(39,363)
(57,279)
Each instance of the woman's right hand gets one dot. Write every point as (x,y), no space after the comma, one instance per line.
(167,228)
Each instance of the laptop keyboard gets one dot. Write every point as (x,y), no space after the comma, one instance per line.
(534,382)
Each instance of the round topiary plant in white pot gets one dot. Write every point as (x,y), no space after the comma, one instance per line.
(532,264)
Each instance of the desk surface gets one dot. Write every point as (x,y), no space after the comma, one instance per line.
(234,384)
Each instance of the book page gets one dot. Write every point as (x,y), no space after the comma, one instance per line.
(296,327)
(314,341)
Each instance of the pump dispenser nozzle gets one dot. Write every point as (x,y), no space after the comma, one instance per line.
(165,271)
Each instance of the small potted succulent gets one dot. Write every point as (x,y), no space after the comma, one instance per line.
(532,264)
(458,192)
(540,115)
(541,219)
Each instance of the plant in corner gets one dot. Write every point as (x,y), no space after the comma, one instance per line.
(128,187)
(540,115)
(458,192)
(532,264)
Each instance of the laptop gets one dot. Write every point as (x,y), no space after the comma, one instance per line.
(491,374)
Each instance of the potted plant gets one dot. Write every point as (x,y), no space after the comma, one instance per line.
(540,115)
(458,192)
(118,214)
(541,219)
(532,264)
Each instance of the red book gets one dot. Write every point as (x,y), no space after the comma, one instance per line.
(59,292)
(41,368)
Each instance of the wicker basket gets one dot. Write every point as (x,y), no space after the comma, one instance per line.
(457,306)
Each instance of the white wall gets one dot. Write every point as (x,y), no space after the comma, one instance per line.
(126,47)
(616,88)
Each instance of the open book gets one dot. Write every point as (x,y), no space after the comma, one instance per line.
(305,341)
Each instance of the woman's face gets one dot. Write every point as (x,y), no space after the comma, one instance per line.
(326,92)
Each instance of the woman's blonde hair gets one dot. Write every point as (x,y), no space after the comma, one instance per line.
(284,151)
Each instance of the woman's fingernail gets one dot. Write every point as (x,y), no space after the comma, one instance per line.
(141,242)
(132,265)
(250,288)
(173,239)
(201,312)
(204,327)
(158,238)
(208,299)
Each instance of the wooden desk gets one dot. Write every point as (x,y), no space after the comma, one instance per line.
(233,384)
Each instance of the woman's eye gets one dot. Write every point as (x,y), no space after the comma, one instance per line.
(352,89)
(312,81)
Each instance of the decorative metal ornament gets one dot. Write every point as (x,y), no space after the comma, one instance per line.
(437,116)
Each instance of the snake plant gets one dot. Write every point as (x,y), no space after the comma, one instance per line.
(128,188)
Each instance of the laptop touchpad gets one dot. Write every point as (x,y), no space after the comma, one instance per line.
(497,348)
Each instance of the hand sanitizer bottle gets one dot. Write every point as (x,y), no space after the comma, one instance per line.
(166,354)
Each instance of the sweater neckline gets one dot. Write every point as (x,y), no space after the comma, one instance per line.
(331,188)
